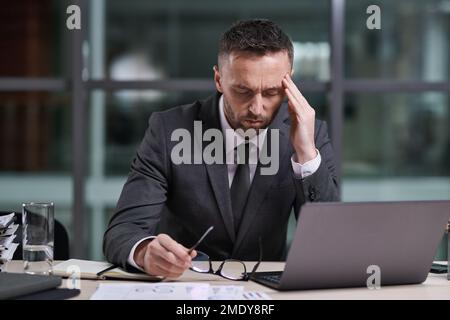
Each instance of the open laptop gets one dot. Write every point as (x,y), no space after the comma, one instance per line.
(335,243)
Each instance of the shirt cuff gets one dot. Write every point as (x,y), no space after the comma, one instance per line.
(308,168)
(130,259)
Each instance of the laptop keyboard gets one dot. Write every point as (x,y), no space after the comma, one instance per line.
(273,277)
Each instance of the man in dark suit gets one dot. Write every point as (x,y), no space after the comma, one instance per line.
(166,205)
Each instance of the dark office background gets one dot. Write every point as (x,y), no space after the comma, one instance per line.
(74,104)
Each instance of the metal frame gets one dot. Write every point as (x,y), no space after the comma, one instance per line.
(337,87)
(78,140)
(32,84)
(337,77)
(366,85)
(193,84)
(354,85)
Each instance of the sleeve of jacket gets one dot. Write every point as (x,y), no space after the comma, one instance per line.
(143,196)
(322,185)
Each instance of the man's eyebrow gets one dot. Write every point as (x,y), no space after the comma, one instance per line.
(240,86)
(273,88)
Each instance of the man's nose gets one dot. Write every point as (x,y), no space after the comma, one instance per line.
(256,106)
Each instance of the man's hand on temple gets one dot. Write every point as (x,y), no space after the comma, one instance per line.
(302,122)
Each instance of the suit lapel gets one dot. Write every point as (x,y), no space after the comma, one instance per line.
(262,183)
(218,173)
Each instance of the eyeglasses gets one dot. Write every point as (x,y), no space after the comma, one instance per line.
(230,269)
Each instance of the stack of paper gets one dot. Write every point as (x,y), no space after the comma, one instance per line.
(174,291)
(7,234)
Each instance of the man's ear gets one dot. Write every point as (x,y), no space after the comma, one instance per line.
(292,72)
(217,79)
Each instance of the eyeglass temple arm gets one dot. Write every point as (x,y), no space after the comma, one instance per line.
(201,239)
(260,258)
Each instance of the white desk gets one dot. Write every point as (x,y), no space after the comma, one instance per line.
(436,287)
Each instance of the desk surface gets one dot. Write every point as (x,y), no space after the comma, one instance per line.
(436,287)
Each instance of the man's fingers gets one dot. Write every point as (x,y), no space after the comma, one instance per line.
(169,268)
(290,94)
(292,97)
(168,256)
(177,249)
(165,263)
(294,105)
(181,265)
(158,270)
(155,270)
(295,91)
(291,110)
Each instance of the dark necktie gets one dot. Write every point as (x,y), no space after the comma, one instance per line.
(240,186)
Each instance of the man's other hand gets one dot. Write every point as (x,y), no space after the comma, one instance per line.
(302,122)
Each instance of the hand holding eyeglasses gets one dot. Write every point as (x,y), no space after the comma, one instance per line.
(163,256)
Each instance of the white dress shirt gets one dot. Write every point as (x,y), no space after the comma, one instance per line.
(233,139)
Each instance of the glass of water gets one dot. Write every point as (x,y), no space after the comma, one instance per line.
(37,237)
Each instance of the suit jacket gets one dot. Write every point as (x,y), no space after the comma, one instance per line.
(184,200)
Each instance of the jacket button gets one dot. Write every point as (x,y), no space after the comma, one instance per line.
(312,193)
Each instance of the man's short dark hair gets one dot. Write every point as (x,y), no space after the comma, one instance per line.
(259,36)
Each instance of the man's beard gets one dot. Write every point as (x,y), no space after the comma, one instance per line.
(259,122)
